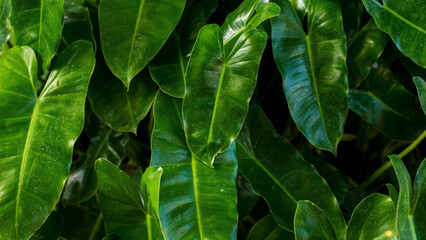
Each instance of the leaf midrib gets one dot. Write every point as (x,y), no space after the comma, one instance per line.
(40,24)
(404,19)
(197,204)
(133,40)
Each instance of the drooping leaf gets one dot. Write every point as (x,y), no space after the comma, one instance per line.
(218,90)
(121,203)
(77,24)
(82,182)
(4,25)
(311,223)
(203,199)
(313,67)
(373,218)
(393,194)
(125,109)
(279,173)
(268,229)
(421,91)
(38,24)
(387,105)
(365,48)
(130,39)
(38,133)
(405,23)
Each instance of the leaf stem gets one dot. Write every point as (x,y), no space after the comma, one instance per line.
(388,164)
(96,227)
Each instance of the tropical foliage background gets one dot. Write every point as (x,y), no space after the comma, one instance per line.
(212,119)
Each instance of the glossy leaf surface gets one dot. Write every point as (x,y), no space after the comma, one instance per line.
(405,23)
(421,91)
(204,199)
(124,212)
(387,105)
(38,24)
(311,223)
(268,229)
(4,25)
(218,89)
(373,218)
(279,173)
(130,40)
(313,67)
(38,134)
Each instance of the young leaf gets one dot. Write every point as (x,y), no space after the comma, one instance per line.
(124,212)
(373,218)
(421,91)
(268,229)
(38,24)
(38,134)
(218,90)
(313,67)
(387,105)
(405,24)
(279,173)
(203,199)
(310,222)
(133,31)
(393,194)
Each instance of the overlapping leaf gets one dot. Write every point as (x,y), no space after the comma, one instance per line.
(77,24)
(268,229)
(421,91)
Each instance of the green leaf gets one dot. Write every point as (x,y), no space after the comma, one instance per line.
(339,185)
(387,105)
(311,223)
(218,90)
(373,218)
(111,237)
(421,91)
(130,39)
(51,228)
(150,188)
(124,212)
(82,182)
(4,25)
(125,109)
(38,24)
(313,67)
(392,193)
(38,133)
(268,229)
(418,202)
(352,12)
(279,173)
(247,198)
(203,199)
(77,23)
(169,65)
(364,49)
(404,22)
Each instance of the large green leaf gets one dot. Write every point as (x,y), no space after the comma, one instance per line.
(38,24)
(410,211)
(4,25)
(218,90)
(311,223)
(268,229)
(124,212)
(133,31)
(38,133)
(169,65)
(196,202)
(313,67)
(373,218)
(77,24)
(363,50)
(279,173)
(387,105)
(405,22)
(421,91)
(125,109)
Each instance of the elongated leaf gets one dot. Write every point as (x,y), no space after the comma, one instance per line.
(365,48)
(373,218)
(393,194)
(203,199)
(268,229)
(279,173)
(169,65)
(421,91)
(150,187)
(405,23)
(130,39)
(125,109)
(77,23)
(418,202)
(38,133)
(4,25)
(82,182)
(218,89)
(313,66)
(387,105)
(122,207)
(38,24)
(311,223)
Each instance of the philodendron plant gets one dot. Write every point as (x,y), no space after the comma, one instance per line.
(212,119)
